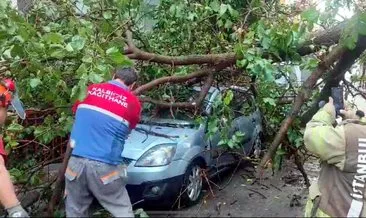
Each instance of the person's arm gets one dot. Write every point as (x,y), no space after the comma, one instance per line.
(8,197)
(7,193)
(3,115)
(324,140)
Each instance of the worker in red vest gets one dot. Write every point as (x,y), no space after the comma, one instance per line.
(8,198)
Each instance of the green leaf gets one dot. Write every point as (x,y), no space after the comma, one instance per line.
(215,6)
(77,42)
(53,38)
(234,13)
(112,50)
(231,144)
(69,48)
(95,78)
(15,127)
(35,82)
(269,101)
(361,26)
(82,92)
(107,15)
(228,97)
(13,144)
(82,70)
(351,40)
(87,59)
(117,57)
(242,63)
(228,24)
(223,9)
(59,54)
(310,15)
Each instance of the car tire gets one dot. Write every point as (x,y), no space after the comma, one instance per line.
(192,185)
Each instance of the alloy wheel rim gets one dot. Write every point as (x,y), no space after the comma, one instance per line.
(194,183)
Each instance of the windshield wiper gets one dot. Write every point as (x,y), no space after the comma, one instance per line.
(139,129)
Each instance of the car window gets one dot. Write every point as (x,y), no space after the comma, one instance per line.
(243,103)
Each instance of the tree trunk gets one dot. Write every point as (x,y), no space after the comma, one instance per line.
(335,76)
(299,100)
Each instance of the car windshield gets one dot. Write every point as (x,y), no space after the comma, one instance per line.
(174,116)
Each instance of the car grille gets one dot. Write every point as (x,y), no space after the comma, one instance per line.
(126,161)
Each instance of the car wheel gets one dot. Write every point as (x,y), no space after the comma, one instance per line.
(191,191)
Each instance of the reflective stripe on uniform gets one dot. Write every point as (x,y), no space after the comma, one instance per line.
(355,209)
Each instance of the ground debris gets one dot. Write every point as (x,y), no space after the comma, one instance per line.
(295,201)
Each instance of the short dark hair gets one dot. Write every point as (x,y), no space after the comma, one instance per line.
(360,113)
(127,74)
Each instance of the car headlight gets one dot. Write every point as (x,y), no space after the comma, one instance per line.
(159,155)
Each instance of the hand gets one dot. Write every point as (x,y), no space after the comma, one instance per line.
(17,211)
(329,107)
(349,114)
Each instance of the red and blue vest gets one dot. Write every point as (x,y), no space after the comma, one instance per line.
(103,121)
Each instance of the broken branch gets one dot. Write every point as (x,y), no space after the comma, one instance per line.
(299,101)
(194,104)
(173,79)
(135,53)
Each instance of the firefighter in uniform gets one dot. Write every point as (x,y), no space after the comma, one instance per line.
(340,189)
(8,198)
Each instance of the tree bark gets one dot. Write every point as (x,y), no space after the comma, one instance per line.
(322,38)
(299,100)
(213,59)
(318,39)
(335,76)
(172,79)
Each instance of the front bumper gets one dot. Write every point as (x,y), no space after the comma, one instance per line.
(155,184)
(162,192)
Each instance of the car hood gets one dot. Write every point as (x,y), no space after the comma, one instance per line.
(139,141)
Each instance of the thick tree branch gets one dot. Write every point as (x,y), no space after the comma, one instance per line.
(333,78)
(134,53)
(172,79)
(322,38)
(299,100)
(196,103)
(325,37)
(359,92)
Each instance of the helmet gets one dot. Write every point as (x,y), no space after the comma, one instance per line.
(9,97)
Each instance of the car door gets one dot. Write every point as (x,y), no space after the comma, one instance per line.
(245,119)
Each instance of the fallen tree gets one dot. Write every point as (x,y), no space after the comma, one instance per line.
(56,52)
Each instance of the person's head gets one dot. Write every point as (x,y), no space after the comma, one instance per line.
(127,75)
(360,114)
(9,97)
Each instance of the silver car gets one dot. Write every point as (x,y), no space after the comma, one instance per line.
(165,156)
